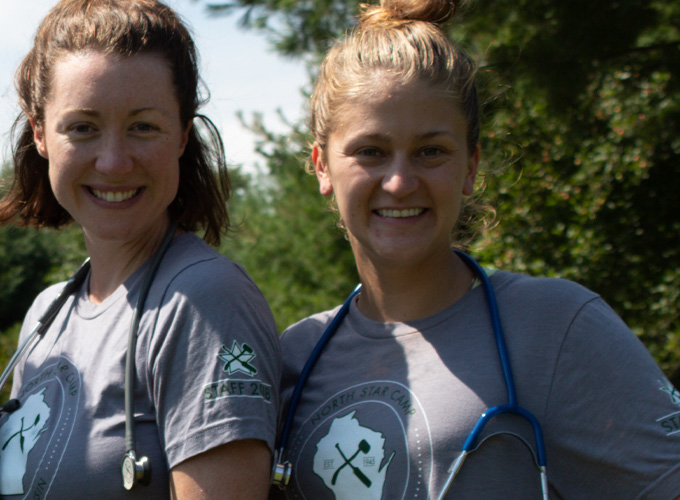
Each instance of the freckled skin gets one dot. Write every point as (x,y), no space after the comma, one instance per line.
(397,148)
(107,131)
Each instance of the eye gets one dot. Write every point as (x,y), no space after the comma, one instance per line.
(143,127)
(370,152)
(81,128)
(430,151)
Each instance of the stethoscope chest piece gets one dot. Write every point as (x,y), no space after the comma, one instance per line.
(281,471)
(135,471)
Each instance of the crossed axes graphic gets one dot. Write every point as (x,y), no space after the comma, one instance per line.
(246,350)
(364,447)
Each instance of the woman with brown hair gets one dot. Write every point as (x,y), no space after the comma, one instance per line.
(160,347)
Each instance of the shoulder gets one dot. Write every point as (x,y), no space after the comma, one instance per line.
(200,289)
(562,320)
(301,337)
(538,288)
(40,305)
(298,342)
(311,326)
(520,294)
(200,297)
(549,313)
(45,297)
(192,268)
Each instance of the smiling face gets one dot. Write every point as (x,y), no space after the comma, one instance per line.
(113,137)
(398,163)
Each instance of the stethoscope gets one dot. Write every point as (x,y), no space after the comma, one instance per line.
(133,470)
(282,468)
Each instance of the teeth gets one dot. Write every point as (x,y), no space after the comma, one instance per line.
(114,196)
(409,212)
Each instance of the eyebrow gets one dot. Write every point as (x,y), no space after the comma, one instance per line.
(386,137)
(435,133)
(141,110)
(85,111)
(94,113)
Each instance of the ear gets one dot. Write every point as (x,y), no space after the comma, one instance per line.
(185,138)
(321,170)
(39,138)
(473,164)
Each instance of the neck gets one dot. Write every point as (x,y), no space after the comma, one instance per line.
(112,262)
(414,292)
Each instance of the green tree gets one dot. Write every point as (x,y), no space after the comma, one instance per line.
(581,119)
(25,259)
(592,113)
(8,346)
(283,235)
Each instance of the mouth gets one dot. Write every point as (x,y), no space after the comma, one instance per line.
(114,196)
(400,214)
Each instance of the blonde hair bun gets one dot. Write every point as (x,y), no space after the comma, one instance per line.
(390,11)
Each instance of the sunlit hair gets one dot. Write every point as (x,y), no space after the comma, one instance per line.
(120,28)
(401,39)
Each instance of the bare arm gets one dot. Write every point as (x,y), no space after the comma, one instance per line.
(234,471)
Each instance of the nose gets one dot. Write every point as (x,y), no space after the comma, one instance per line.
(113,156)
(401,177)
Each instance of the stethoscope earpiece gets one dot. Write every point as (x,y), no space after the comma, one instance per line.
(135,471)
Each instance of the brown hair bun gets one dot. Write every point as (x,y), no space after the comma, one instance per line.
(389,11)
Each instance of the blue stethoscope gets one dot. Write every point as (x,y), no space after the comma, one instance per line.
(133,470)
(282,469)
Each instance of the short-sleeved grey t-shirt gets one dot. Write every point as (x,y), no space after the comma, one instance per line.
(207,373)
(389,405)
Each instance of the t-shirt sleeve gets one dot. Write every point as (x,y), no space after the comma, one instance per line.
(214,362)
(612,421)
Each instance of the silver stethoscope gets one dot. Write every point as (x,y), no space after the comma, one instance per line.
(282,468)
(133,470)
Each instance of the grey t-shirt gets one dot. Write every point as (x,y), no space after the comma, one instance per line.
(207,371)
(389,405)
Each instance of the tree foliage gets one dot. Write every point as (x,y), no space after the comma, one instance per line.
(593,112)
(580,142)
(30,260)
(295,28)
(284,234)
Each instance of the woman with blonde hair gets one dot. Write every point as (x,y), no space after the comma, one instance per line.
(156,369)
(431,347)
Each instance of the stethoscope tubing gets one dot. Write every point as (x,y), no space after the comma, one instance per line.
(130,374)
(494,315)
(74,282)
(282,468)
(141,469)
(512,406)
(309,366)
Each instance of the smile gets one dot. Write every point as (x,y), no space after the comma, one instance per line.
(114,196)
(397,214)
